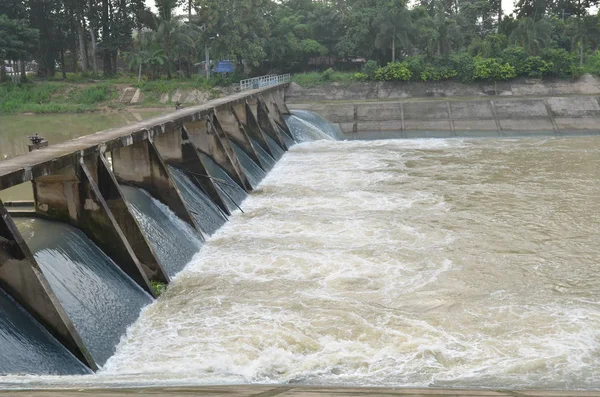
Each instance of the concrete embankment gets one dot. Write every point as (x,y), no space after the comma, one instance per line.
(452,109)
(290,391)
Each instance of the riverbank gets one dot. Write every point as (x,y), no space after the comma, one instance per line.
(291,391)
(43,97)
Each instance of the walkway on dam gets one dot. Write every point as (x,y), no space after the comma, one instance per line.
(290,391)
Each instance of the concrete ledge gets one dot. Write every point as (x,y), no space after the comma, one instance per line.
(290,391)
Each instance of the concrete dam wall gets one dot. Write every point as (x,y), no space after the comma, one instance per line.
(500,116)
(116,212)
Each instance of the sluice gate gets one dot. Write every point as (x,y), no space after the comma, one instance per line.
(67,298)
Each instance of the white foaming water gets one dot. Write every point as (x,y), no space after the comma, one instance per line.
(450,263)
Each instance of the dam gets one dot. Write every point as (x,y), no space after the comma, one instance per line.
(295,257)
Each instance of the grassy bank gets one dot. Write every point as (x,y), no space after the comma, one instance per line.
(79,95)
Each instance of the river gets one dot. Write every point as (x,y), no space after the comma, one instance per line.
(14,131)
(434,262)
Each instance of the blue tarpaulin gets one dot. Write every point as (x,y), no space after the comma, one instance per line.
(224,67)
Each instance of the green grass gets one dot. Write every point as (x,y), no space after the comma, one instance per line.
(53,97)
(315,79)
(158,287)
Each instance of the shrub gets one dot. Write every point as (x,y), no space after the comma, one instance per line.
(563,63)
(416,65)
(537,67)
(464,65)
(433,73)
(370,68)
(516,57)
(393,72)
(328,74)
(493,69)
(360,77)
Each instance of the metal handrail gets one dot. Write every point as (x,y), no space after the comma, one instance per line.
(264,81)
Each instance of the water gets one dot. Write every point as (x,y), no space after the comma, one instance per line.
(56,129)
(265,158)
(253,172)
(304,131)
(233,195)
(27,348)
(450,263)
(205,212)
(98,297)
(277,151)
(320,123)
(173,240)
(286,138)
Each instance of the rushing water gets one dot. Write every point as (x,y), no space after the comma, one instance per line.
(252,170)
(100,299)
(232,193)
(265,158)
(173,240)
(26,347)
(206,213)
(406,262)
(317,122)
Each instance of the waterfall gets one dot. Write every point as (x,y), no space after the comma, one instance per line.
(205,212)
(319,122)
(173,240)
(99,298)
(253,171)
(232,193)
(265,158)
(306,132)
(286,138)
(26,347)
(275,148)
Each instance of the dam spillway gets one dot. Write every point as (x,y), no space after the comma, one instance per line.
(401,262)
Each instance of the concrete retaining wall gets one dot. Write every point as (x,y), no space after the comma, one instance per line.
(456,117)
(586,85)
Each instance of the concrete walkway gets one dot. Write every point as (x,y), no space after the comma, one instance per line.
(290,391)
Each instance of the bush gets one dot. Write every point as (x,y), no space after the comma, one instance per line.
(370,68)
(328,74)
(493,69)
(537,67)
(516,57)
(464,65)
(393,72)
(562,62)
(433,73)
(416,65)
(360,77)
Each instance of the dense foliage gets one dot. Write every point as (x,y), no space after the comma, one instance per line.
(430,40)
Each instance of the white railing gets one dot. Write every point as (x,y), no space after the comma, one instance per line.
(264,81)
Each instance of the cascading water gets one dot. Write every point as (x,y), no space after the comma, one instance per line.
(277,151)
(100,299)
(319,122)
(206,213)
(173,240)
(27,348)
(304,131)
(253,171)
(265,158)
(232,193)
(286,138)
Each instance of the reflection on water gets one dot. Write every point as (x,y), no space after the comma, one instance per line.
(55,128)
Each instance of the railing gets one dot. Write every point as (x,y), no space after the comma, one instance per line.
(264,81)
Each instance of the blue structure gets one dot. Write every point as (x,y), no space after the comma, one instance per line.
(224,67)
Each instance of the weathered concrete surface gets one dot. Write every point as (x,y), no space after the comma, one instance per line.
(586,85)
(290,391)
(462,117)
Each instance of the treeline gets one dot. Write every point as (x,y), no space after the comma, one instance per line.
(430,40)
